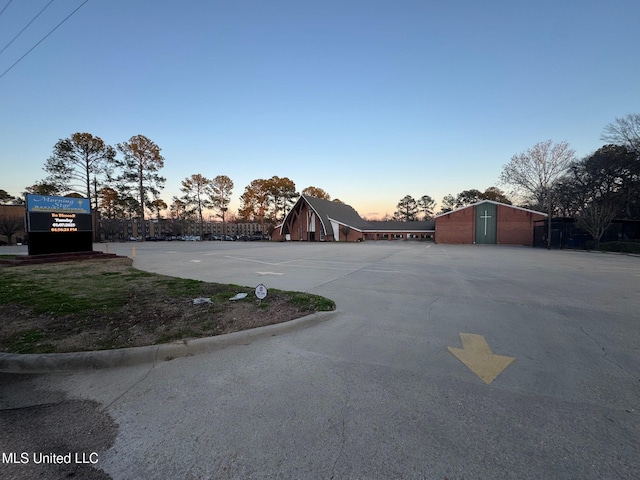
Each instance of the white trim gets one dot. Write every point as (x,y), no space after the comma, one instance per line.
(342,223)
(490,201)
(324,228)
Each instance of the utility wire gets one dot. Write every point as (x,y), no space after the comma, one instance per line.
(27,26)
(43,39)
(5,7)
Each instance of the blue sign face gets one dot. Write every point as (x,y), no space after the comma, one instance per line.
(47,203)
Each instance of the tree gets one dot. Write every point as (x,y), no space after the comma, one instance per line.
(10,224)
(178,215)
(222,186)
(468,197)
(601,184)
(130,206)
(157,206)
(407,209)
(316,192)
(598,183)
(111,205)
(80,164)
(448,203)
(496,195)
(197,191)
(6,198)
(535,171)
(282,192)
(255,201)
(140,166)
(263,198)
(43,188)
(624,131)
(426,204)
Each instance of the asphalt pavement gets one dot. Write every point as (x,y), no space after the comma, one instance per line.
(393,386)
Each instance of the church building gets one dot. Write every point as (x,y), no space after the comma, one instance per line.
(487,222)
(316,220)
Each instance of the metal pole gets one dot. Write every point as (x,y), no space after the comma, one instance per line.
(549,219)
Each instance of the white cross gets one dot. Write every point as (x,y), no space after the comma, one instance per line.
(485,216)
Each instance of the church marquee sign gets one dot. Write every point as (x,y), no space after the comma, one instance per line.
(58,224)
(49,214)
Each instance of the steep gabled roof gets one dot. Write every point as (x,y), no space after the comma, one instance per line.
(328,211)
(339,212)
(489,201)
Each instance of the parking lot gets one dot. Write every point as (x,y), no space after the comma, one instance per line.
(378,392)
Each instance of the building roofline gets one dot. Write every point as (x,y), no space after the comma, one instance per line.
(490,201)
(340,222)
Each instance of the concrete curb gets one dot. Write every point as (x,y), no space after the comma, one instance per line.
(68,362)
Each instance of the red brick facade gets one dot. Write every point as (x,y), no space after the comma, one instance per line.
(456,227)
(514,225)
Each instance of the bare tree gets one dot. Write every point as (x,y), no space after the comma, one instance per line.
(535,172)
(624,131)
(10,224)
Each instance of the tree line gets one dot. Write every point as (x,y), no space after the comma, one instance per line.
(129,185)
(593,190)
(547,177)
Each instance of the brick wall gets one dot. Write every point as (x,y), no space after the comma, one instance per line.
(457,227)
(515,227)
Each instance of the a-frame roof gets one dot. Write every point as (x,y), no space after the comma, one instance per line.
(343,214)
(339,212)
(489,201)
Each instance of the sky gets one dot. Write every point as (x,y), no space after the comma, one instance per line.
(368,100)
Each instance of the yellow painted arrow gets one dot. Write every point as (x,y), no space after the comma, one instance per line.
(476,354)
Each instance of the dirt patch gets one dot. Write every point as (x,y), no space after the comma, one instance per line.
(97,305)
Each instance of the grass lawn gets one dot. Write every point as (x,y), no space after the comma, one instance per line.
(106,304)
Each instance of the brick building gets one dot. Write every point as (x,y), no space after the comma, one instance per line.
(487,222)
(317,220)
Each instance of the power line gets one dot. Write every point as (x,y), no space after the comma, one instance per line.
(42,39)
(5,7)
(27,26)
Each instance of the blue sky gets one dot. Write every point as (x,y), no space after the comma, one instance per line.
(369,100)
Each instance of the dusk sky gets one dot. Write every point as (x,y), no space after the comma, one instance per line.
(369,100)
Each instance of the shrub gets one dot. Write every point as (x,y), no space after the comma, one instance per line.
(624,247)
